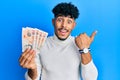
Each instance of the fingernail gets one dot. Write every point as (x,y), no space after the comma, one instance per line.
(27,49)
(96,31)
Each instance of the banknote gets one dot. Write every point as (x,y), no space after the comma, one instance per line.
(33,38)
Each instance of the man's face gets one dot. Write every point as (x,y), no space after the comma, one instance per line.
(63,26)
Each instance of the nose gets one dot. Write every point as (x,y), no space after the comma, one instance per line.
(64,24)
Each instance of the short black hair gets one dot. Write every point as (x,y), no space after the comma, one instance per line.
(66,9)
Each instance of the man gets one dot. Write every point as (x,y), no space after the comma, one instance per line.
(62,57)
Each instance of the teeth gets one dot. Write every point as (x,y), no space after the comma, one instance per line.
(63,30)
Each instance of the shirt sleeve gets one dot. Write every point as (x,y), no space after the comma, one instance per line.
(39,67)
(89,71)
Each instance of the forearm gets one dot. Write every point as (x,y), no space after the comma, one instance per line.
(89,71)
(86,58)
(32,73)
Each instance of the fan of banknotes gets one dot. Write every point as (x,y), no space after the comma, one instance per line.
(33,38)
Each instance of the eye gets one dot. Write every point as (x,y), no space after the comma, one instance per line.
(59,20)
(69,21)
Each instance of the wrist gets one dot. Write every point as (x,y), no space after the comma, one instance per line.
(32,73)
(86,58)
(84,50)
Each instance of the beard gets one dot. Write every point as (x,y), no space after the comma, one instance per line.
(62,39)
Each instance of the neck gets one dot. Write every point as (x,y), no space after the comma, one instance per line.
(65,41)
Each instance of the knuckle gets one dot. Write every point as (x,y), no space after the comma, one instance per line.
(84,33)
(24,66)
(21,64)
(80,34)
(28,59)
(24,57)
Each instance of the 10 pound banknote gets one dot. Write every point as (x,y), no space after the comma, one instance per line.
(33,38)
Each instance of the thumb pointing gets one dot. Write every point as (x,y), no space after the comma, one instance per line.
(93,35)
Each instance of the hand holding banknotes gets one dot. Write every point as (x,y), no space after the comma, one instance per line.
(27,60)
(32,41)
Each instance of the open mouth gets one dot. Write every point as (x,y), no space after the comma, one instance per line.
(63,31)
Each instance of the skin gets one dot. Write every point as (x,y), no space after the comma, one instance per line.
(27,60)
(62,27)
(84,41)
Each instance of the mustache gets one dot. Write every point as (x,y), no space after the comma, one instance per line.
(63,29)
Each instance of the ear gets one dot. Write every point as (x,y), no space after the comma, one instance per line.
(74,24)
(53,22)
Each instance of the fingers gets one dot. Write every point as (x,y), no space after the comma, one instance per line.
(84,35)
(26,57)
(93,35)
(29,59)
(24,53)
